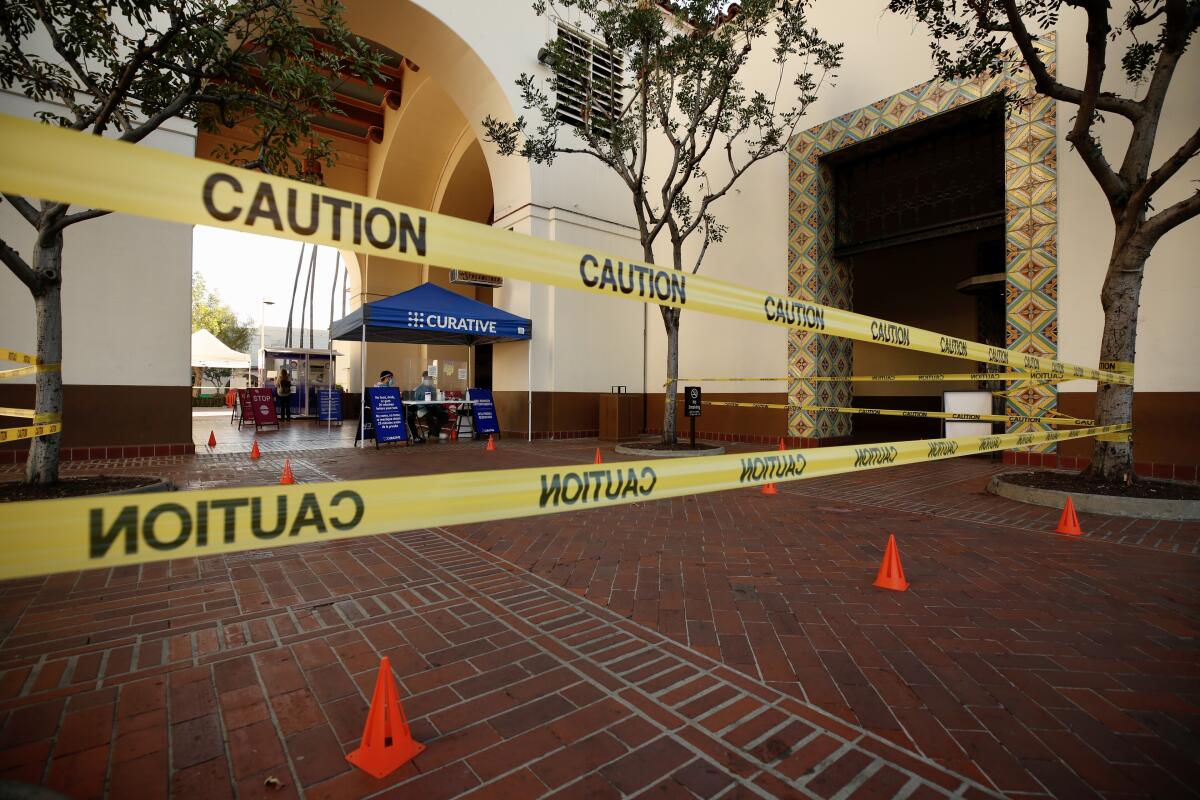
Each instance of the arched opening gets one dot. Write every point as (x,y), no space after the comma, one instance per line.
(430,156)
(415,139)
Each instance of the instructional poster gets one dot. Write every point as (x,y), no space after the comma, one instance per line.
(483,411)
(388,411)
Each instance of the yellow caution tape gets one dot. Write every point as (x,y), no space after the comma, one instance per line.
(1127,436)
(933,377)
(930,378)
(69,166)
(1120,367)
(86,532)
(939,377)
(19,371)
(36,416)
(892,412)
(20,358)
(28,432)
(728,380)
(956,416)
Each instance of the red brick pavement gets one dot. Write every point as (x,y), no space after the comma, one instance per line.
(207,677)
(1035,663)
(1029,662)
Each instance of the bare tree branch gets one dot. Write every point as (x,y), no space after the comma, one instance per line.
(1166,171)
(1180,24)
(67,56)
(1088,100)
(24,207)
(12,259)
(71,219)
(1045,82)
(1170,217)
(168,111)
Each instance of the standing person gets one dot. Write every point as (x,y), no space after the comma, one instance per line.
(284,389)
(436,414)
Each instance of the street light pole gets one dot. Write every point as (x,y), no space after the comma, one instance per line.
(262,336)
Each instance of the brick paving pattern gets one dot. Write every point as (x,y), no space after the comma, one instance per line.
(297,434)
(207,677)
(723,645)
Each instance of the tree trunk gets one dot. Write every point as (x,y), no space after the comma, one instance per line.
(42,465)
(1113,461)
(671,324)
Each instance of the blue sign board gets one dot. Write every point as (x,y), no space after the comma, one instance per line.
(387,409)
(483,411)
(329,405)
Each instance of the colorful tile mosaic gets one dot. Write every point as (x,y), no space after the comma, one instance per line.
(1031,226)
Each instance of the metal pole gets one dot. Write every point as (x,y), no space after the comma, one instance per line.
(529,368)
(312,307)
(362,370)
(287,339)
(304,300)
(329,339)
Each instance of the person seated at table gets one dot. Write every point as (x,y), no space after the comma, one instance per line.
(435,415)
(387,380)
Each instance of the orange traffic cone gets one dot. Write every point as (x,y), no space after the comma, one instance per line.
(387,743)
(598,460)
(287,478)
(891,574)
(491,443)
(212,439)
(254,453)
(1068,523)
(771,489)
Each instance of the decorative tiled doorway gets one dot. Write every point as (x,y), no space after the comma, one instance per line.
(1031,229)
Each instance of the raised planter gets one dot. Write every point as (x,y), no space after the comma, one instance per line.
(1144,508)
(156,485)
(702,449)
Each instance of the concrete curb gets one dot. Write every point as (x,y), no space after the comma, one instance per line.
(162,485)
(1143,508)
(701,450)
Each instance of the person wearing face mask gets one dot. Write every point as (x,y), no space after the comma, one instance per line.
(434,415)
(386,380)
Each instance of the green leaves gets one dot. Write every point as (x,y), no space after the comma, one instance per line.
(130,65)
(675,84)
(211,313)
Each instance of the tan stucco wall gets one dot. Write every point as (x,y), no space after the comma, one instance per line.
(1168,326)
(126,293)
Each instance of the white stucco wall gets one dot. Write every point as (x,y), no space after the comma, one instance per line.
(126,287)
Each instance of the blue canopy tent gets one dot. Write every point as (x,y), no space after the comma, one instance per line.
(429,314)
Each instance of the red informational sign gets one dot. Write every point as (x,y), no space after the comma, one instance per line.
(262,404)
(247,410)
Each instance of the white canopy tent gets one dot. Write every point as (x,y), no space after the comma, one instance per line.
(210,352)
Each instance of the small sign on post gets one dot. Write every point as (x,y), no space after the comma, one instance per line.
(691,409)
